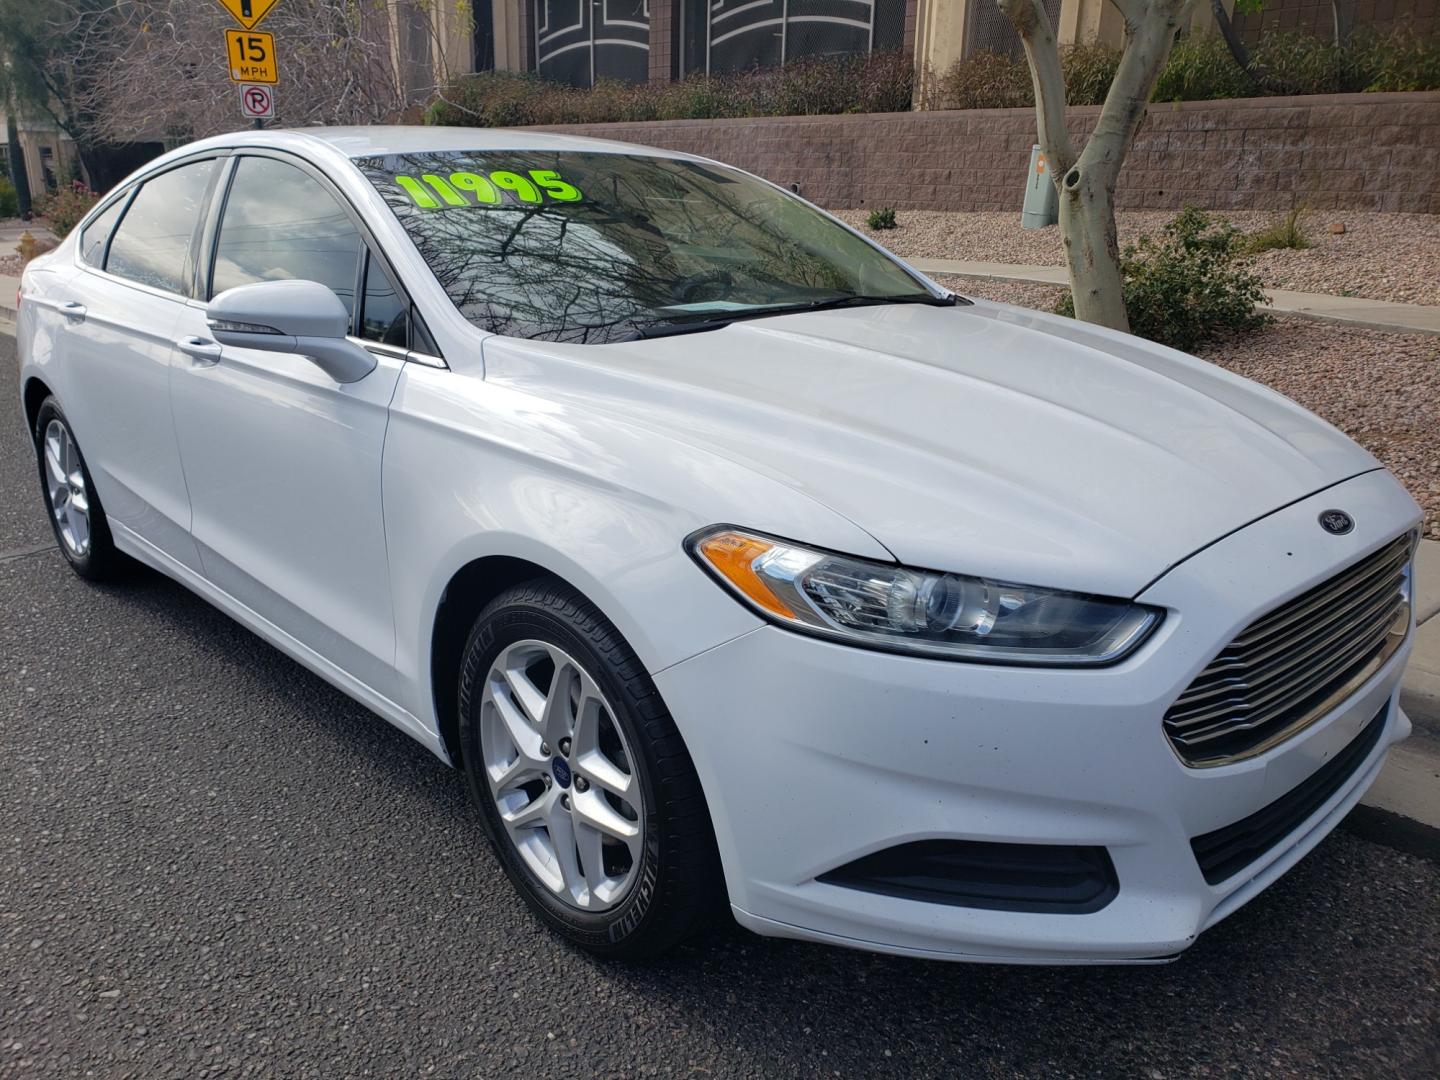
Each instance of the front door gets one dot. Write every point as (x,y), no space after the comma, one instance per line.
(283,463)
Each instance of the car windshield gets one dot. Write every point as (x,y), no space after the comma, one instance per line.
(600,247)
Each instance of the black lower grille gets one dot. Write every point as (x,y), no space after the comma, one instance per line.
(1225,852)
(1054,878)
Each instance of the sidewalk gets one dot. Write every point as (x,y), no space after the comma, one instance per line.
(9,287)
(1350,310)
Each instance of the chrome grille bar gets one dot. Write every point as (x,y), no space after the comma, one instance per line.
(1294,664)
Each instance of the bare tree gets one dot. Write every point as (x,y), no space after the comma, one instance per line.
(1086,180)
(158,68)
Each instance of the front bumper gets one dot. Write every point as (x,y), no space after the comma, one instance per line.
(814,754)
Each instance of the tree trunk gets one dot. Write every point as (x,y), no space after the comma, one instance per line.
(1092,250)
(1344,12)
(1233,42)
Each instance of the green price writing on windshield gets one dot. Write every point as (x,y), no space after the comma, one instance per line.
(502,187)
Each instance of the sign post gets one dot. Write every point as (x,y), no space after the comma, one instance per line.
(250,58)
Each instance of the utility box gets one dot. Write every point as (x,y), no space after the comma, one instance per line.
(1042,203)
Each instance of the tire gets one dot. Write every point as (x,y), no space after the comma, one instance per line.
(94,557)
(672,884)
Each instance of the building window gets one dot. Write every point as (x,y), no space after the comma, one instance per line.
(483,36)
(720,36)
(988,29)
(581,42)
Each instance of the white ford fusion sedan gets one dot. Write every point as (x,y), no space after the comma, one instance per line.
(732,560)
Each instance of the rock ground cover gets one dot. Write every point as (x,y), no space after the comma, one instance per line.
(1379,256)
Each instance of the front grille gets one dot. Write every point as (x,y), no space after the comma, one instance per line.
(1290,667)
(1225,852)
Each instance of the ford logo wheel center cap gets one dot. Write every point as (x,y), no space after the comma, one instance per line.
(561,768)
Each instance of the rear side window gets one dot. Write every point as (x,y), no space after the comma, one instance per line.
(92,240)
(279,224)
(152,244)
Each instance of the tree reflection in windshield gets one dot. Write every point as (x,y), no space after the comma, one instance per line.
(648,240)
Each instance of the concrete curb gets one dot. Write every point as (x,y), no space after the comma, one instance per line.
(1347,310)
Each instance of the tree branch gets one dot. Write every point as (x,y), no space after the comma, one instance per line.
(1041,49)
(1133,11)
(1147,49)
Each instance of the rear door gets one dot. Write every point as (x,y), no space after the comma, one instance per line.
(283,463)
(121,312)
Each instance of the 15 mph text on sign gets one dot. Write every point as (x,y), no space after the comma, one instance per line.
(251,56)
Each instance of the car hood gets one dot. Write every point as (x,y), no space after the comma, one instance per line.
(979,438)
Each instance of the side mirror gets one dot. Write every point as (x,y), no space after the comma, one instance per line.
(291,317)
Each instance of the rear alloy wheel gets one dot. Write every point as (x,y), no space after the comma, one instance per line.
(585,787)
(75,511)
(65,484)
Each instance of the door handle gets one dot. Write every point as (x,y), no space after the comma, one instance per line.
(73,310)
(202,351)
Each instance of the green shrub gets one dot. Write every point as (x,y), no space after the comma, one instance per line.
(1089,71)
(990,80)
(1399,60)
(1202,69)
(9,201)
(879,82)
(1190,286)
(985,80)
(1294,62)
(63,208)
(1287,233)
(881,219)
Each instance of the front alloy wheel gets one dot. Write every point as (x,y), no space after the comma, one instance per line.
(560,776)
(585,787)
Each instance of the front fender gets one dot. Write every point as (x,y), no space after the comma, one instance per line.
(474,469)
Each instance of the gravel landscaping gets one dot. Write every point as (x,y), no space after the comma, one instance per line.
(1379,256)
(1381,389)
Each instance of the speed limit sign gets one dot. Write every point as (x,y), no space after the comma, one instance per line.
(257,102)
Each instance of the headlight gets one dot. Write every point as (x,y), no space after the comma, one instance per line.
(890,607)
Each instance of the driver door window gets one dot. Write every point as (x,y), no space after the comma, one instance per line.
(280,223)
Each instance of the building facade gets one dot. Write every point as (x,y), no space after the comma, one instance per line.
(583,41)
(46,153)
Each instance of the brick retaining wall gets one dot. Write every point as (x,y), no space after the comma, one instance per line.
(1344,151)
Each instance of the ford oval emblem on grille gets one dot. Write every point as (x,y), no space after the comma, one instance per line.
(1336,522)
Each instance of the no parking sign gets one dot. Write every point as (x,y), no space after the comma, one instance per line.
(257,102)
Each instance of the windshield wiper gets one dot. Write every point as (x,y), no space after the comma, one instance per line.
(861,300)
(718,320)
(678,326)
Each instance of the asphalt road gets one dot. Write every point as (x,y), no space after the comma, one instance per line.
(213,863)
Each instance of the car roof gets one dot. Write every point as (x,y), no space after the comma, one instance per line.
(379,140)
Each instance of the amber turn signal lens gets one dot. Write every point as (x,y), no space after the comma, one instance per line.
(733,558)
